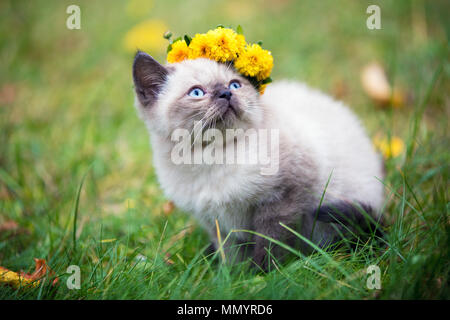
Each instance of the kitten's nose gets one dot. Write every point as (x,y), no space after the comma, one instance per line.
(225,94)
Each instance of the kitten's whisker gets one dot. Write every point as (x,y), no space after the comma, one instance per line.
(195,126)
(203,127)
(192,116)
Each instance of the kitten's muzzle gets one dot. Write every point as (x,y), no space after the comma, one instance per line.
(226,105)
(225,94)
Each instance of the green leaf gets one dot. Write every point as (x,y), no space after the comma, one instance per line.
(267,80)
(239,30)
(260,43)
(253,81)
(220,26)
(169,48)
(187,39)
(167,35)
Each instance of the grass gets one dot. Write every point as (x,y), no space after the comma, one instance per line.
(75,163)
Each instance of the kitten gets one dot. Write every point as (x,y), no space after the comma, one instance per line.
(328,180)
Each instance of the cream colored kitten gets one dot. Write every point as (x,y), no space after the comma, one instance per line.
(320,141)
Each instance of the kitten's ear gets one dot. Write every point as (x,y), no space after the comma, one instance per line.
(149,77)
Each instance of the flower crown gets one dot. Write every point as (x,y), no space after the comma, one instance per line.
(226,46)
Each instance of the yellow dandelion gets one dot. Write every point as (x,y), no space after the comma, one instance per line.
(255,62)
(262,88)
(390,148)
(146,36)
(241,44)
(200,46)
(226,44)
(179,52)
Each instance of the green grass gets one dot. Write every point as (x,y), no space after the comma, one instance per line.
(71,120)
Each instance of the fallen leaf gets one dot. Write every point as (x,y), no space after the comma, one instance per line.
(41,271)
(168,207)
(22,279)
(10,228)
(14,279)
(167,259)
(8,94)
(9,225)
(4,193)
(375,83)
(399,98)
(339,89)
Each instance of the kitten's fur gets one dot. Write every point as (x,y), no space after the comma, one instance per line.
(320,141)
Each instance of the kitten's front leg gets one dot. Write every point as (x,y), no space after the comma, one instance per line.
(266,221)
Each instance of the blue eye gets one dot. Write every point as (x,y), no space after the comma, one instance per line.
(234,85)
(196,93)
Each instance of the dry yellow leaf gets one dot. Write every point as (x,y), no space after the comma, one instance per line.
(168,207)
(21,279)
(375,83)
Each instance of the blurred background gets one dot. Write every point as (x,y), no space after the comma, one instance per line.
(66,104)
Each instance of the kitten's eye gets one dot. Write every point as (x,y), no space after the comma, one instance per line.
(196,93)
(234,85)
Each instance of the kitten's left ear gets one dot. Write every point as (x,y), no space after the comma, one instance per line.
(149,77)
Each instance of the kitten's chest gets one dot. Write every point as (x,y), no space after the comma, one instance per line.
(223,192)
(204,187)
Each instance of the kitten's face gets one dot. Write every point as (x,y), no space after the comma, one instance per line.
(197,90)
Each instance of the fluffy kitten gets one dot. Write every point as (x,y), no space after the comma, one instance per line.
(321,145)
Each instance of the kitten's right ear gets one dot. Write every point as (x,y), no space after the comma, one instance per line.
(149,77)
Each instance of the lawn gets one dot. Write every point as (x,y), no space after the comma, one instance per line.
(77,186)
